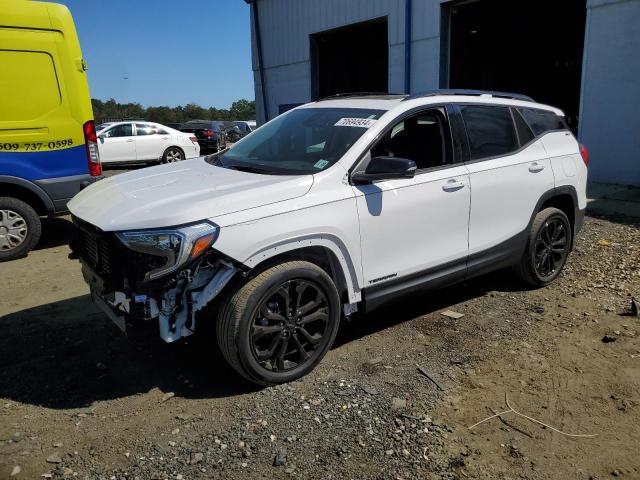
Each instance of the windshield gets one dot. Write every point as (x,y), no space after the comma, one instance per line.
(303,141)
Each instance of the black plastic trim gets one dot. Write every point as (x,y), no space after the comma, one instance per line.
(433,278)
(33,188)
(63,187)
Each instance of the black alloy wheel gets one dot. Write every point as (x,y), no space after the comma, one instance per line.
(290,326)
(548,247)
(278,325)
(551,248)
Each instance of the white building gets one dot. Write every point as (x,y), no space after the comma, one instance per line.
(580,55)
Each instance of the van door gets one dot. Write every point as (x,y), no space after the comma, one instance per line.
(509,172)
(117,144)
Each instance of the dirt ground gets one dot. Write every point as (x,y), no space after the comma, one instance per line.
(79,399)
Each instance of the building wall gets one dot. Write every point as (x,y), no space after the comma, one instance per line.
(610,122)
(610,111)
(286,25)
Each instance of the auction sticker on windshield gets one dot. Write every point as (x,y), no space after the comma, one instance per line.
(355,122)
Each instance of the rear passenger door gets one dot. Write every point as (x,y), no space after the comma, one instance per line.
(151,142)
(509,172)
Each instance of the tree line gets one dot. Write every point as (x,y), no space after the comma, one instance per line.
(110,109)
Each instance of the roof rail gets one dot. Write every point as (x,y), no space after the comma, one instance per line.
(478,93)
(360,94)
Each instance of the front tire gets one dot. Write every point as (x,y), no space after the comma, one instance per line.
(280,324)
(547,249)
(20,228)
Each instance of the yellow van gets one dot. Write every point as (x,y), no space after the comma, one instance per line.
(48,148)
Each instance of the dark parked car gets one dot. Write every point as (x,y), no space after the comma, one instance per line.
(232,131)
(244,127)
(176,126)
(210,134)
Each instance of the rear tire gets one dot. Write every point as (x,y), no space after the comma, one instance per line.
(280,324)
(547,249)
(172,155)
(20,228)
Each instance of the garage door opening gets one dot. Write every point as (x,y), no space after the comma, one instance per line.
(533,48)
(350,59)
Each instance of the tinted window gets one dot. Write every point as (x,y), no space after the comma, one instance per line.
(423,138)
(525,135)
(490,131)
(542,121)
(124,130)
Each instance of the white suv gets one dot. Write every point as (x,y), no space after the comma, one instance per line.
(334,207)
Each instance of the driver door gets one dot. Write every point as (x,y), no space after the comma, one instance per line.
(415,231)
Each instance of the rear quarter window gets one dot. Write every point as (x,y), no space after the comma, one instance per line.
(28,85)
(490,131)
(542,121)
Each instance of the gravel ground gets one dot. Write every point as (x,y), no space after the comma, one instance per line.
(393,399)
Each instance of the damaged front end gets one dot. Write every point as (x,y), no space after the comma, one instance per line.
(168,274)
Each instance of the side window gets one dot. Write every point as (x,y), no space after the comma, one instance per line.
(142,130)
(124,130)
(490,131)
(161,131)
(424,138)
(525,135)
(542,121)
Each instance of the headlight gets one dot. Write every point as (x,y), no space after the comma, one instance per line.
(175,246)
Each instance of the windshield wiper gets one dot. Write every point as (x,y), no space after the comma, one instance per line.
(249,168)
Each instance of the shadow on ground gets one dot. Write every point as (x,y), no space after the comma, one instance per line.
(56,231)
(67,354)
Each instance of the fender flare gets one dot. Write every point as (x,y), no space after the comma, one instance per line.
(349,272)
(32,187)
(569,190)
(554,192)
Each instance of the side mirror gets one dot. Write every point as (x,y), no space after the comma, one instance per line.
(101,137)
(385,168)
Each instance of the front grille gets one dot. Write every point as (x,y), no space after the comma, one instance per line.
(95,252)
(93,248)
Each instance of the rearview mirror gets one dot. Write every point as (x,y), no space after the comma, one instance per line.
(385,168)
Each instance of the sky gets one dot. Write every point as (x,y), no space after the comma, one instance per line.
(166,52)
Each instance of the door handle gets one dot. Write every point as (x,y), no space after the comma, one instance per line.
(452,185)
(130,140)
(536,167)
(165,138)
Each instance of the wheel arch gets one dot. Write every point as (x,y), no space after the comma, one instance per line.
(326,252)
(169,148)
(564,198)
(28,192)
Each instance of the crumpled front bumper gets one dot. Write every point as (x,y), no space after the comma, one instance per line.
(175,307)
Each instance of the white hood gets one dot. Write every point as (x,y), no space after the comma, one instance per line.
(180,193)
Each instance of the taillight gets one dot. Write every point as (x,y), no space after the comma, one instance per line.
(209,133)
(91,144)
(585,154)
